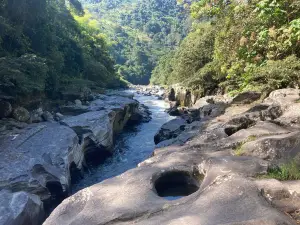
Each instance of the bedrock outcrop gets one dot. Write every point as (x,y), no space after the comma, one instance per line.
(38,160)
(234,146)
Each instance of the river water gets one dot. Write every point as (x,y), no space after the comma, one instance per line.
(132,146)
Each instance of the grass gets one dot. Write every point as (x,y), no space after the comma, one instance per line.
(288,171)
(238,151)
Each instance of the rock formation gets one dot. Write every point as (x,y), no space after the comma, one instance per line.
(218,170)
(38,160)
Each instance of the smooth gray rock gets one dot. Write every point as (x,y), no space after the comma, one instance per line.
(95,127)
(78,102)
(47,116)
(170,130)
(21,114)
(282,148)
(20,208)
(36,115)
(38,159)
(246,97)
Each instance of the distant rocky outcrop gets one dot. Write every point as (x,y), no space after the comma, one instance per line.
(220,170)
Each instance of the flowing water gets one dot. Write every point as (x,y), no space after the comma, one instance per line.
(132,146)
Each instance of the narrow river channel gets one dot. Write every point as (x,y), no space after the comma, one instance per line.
(132,146)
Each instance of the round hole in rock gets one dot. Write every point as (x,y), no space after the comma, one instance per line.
(173,185)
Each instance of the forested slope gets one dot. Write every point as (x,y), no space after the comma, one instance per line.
(140,32)
(236,47)
(46,51)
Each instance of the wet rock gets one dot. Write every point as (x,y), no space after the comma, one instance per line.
(21,114)
(23,208)
(142,114)
(171,95)
(47,116)
(174,111)
(5,109)
(170,130)
(37,160)
(246,97)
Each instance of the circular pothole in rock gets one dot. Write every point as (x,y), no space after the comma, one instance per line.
(173,185)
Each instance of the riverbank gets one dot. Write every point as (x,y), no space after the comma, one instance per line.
(218,175)
(39,161)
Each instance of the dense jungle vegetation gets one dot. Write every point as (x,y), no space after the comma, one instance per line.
(139,32)
(234,47)
(46,50)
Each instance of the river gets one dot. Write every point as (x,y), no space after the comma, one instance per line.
(132,146)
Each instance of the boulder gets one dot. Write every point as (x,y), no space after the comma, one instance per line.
(172,95)
(37,160)
(78,102)
(94,129)
(21,114)
(5,109)
(170,130)
(142,114)
(246,97)
(140,202)
(174,111)
(47,116)
(58,116)
(36,115)
(22,208)
(283,97)
(280,148)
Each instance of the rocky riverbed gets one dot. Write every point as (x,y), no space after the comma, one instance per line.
(41,157)
(209,168)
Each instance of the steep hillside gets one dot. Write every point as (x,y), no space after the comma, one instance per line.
(140,32)
(237,47)
(45,50)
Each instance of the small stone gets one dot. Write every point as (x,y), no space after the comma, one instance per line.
(21,114)
(5,109)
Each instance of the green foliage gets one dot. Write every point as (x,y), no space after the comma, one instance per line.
(43,43)
(256,46)
(288,171)
(140,32)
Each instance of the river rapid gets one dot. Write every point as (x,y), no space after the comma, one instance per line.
(132,146)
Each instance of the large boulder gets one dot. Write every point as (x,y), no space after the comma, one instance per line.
(236,199)
(94,129)
(5,109)
(246,97)
(170,130)
(21,114)
(36,115)
(38,160)
(22,208)
(276,148)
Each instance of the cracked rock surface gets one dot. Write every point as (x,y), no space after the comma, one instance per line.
(37,160)
(224,161)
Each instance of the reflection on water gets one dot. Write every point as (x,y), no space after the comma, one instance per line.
(133,146)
